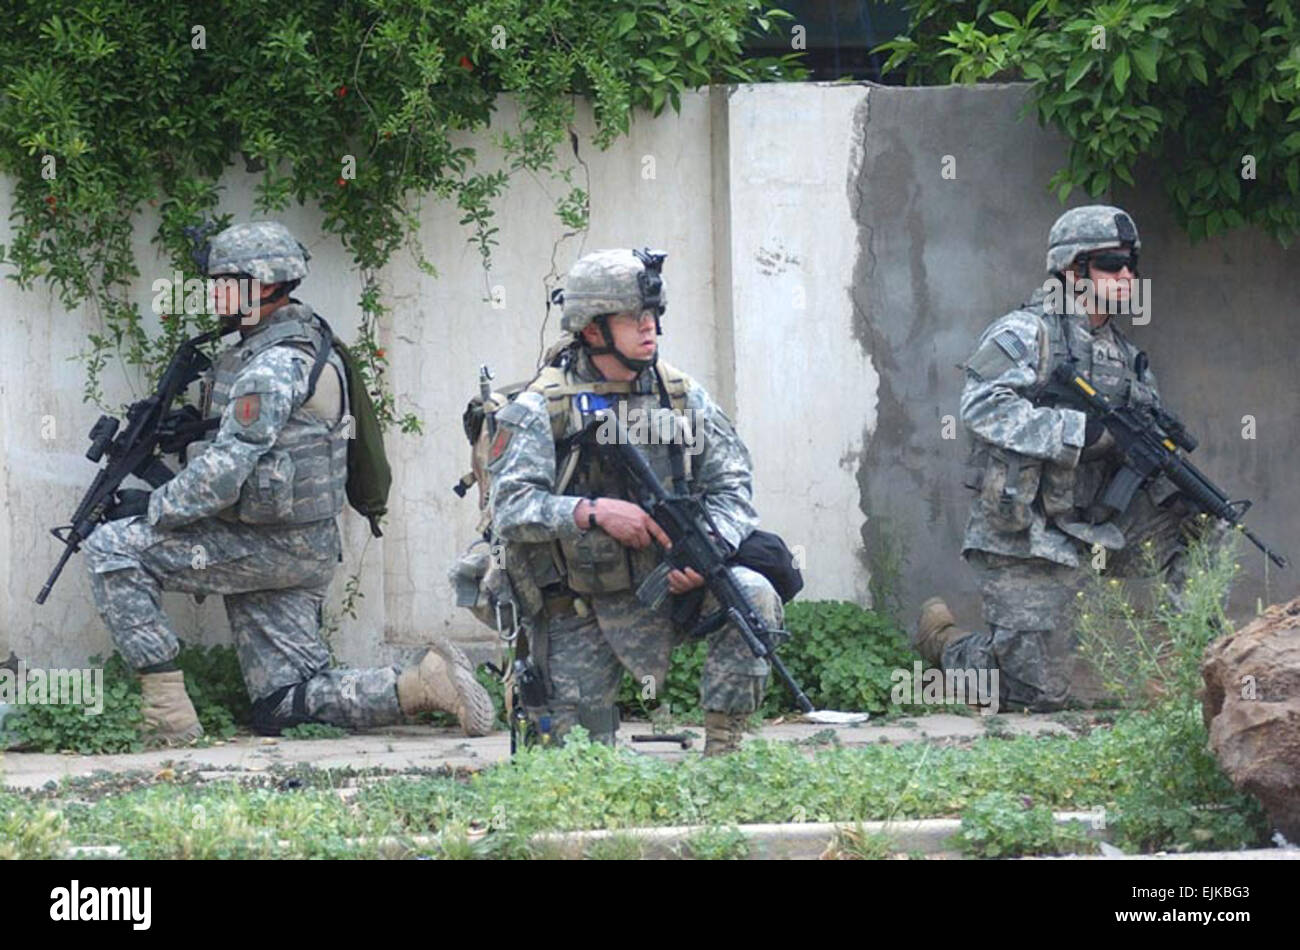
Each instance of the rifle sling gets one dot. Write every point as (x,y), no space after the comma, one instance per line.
(674,447)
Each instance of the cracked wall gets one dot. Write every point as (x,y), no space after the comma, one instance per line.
(824,283)
(940,258)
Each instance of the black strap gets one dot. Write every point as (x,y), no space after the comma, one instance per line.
(322,356)
(675,453)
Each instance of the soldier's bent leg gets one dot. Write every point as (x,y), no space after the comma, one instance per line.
(734,680)
(286,666)
(583,674)
(1026,604)
(132,562)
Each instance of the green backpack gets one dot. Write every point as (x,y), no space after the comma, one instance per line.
(369,475)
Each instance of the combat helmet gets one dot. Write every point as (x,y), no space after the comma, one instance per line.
(264,250)
(608,282)
(1089,228)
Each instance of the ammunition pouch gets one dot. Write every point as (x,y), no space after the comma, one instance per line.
(595,563)
(493,593)
(266,496)
(1057,490)
(1008,489)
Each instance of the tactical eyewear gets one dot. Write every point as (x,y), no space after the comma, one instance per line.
(1113,263)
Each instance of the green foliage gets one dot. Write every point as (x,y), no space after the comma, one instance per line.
(313,730)
(359,109)
(30,834)
(1196,87)
(616,847)
(1174,796)
(841,654)
(212,679)
(717,844)
(55,728)
(215,683)
(857,844)
(1147,653)
(1150,773)
(1002,823)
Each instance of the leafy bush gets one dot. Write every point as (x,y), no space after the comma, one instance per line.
(212,679)
(54,728)
(841,654)
(1001,824)
(1147,650)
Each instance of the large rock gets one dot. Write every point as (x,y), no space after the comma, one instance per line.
(1252,711)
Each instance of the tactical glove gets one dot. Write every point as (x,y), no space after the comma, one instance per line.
(1097,440)
(130,501)
(1093,431)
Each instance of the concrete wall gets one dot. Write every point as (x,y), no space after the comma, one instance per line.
(824,279)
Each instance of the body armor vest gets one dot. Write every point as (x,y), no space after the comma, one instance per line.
(594,562)
(303,477)
(1011,483)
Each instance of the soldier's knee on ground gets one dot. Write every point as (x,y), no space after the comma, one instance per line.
(552,723)
(282,709)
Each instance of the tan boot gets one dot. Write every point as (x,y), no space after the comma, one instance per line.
(934,629)
(444,680)
(723,732)
(168,713)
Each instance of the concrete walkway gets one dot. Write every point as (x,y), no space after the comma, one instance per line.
(405,748)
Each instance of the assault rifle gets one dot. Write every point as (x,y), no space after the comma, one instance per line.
(152,428)
(1150,437)
(695,545)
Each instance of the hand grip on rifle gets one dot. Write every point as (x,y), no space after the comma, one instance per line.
(1151,449)
(695,544)
(131,449)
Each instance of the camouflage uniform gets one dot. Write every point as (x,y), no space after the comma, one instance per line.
(251,516)
(1036,518)
(591,626)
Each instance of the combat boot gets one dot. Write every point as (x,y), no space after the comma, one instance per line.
(723,732)
(935,629)
(444,680)
(168,713)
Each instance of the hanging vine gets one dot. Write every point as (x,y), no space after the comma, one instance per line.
(356,108)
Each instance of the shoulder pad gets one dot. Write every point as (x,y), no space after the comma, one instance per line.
(513,414)
(1006,344)
(275,369)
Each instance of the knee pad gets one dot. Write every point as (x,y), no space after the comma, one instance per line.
(282,709)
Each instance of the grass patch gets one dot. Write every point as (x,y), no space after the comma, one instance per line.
(1160,789)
